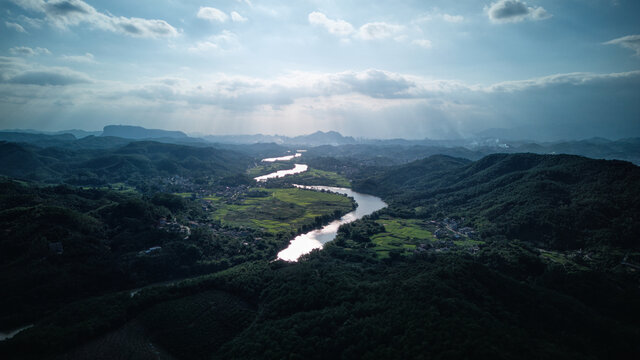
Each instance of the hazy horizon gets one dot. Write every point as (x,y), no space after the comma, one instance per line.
(543,70)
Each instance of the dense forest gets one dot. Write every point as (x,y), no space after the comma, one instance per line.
(153,250)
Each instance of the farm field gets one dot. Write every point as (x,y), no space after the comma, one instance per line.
(276,210)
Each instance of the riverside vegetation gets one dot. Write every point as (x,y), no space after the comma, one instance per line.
(510,256)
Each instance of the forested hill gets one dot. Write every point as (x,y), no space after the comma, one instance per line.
(135,160)
(561,201)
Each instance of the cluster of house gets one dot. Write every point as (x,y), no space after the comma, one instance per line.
(173,226)
(446,232)
(450,228)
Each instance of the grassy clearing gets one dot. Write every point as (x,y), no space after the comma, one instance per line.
(320,177)
(281,209)
(401,235)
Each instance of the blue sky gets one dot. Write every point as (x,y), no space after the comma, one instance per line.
(414,69)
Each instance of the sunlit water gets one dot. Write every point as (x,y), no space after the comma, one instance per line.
(282,158)
(303,244)
(298,168)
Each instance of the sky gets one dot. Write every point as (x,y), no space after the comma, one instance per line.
(535,69)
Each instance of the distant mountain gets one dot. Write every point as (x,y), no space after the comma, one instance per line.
(244,139)
(138,132)
(40,140)
(315,139)
(322,138)
(75,132)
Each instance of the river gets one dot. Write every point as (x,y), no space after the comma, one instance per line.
(315,239)
(282,158)
(298,168)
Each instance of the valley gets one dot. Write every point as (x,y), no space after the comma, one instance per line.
(180,251)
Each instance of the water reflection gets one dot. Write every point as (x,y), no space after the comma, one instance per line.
(282,158)
(304,243)
(282,173)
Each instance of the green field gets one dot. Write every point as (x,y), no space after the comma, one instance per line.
(404,235)
(400,234)
(281,209)
(320,177)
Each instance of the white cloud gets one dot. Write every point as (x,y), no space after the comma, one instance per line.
(452,18)
(86,58)
(630,42)
(15,26)
(379,30)
(226,41)
(212,14)
(335,27)
(66,13)
(424,43)
(27,51)
(434,15)
(504,11)
(17,72)
(236,17)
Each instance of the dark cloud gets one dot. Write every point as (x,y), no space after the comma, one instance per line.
(49,77)
(514,11)
(66,13)
(66,7)
(27,51)
(508,9)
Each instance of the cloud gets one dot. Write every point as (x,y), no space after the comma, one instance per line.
(212,14)
(86,58)
(379,30)
(236,17)
(335,27)
(423,43)
(558,80)
(16,71)
(373,102)
(224,42)
(504,11)
(630,42)
(27,51)
(452,18)
(15,26)
(53,77)
(138,27)
(439,16)
(67,13)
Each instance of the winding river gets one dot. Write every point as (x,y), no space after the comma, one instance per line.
(315,239)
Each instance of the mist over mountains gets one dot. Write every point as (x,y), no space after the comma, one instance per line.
(334,144)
